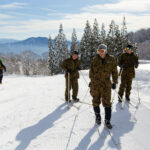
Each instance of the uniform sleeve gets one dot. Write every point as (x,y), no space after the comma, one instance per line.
(64,65)
(79,63)
(4,67)
(91,72)
(136,61)
(120,61)
(114,71)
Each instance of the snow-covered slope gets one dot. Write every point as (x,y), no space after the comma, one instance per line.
(33,116)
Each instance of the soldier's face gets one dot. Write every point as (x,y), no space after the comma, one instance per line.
(74,56)
(102,53)
(128,50)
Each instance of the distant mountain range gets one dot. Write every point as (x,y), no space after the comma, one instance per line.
(3,41)
(38,45)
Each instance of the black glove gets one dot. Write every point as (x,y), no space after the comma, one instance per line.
(79,68)
(90,84)
(122,66)
(5,69)
(68,71)
(113,86)
(134,64)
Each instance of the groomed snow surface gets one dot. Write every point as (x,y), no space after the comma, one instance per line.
(33,116)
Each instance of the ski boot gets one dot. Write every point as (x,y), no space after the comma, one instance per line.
(97,115)
(108,117)
(98,119)
(108,124)
(128,98)
(76,99)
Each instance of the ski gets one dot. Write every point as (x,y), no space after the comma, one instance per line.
(111,136)
(70,104)
(99,130)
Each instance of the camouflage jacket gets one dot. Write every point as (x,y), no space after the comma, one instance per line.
(102,69)
(73,66)
(2,67)
(128,62)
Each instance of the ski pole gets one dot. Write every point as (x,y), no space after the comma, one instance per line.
(139,99)
(84,78)
(120,72)
(114,96)
(68,88)
(123,101)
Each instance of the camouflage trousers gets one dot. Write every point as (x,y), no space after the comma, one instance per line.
(125,86)
(101,94)
(73,84)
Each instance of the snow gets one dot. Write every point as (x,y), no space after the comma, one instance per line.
(34,117)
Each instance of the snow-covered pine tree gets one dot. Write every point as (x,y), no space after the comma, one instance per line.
(95,40)
(74,42)
(85,46)
(60,49)
(117,42)
(51,56)
(110,40)
(124,34)
(103,34)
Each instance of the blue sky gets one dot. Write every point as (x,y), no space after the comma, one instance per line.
(20,19)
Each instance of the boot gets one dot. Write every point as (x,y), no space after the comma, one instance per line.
(119,99)
(108,124)
(127,98)
(97,114)
(108,117)
(66,98)
(75,99)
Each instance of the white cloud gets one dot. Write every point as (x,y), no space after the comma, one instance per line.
(122,6)
(41,27)
(13,5)
(37,27)
(4,16)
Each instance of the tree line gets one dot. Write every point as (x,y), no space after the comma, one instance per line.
(116,40)
(115,37)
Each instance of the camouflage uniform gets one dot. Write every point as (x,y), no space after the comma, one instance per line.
(2,67)
(73,67)
(127,62)
(100,72)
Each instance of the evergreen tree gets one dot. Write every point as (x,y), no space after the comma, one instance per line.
(74,42)
(117,42)
(103,34)
(124,34)
(85,46)
(111,38)
(51,56)
(60,49)
(95,41)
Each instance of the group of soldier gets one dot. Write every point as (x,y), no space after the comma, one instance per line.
(103,66)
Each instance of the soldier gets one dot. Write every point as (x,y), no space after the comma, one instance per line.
(102,67)
(128,61)
(2,67)
(71,66)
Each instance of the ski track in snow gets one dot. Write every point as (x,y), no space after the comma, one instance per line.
(33,116)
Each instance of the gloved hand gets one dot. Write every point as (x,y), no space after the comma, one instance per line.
(113,86)
(79,68)
(90,84)
(122,66)
(68,71)
(134,64)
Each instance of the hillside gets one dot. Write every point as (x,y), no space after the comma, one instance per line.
(33,116)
